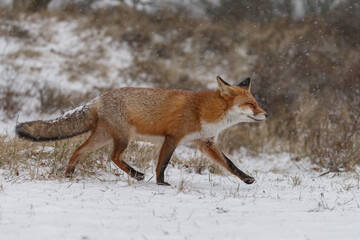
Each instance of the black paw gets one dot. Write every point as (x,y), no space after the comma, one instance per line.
(249,180)
(69,172)
(139,176)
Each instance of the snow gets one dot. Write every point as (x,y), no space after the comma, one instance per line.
(196,206)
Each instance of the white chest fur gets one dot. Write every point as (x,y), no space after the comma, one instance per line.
(212,129)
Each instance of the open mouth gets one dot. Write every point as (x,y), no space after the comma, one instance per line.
(258,120)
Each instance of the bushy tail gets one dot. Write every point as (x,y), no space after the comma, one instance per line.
(72,123)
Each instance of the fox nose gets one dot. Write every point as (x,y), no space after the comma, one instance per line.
(266,115)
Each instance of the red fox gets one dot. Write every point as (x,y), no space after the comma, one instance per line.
(172,116)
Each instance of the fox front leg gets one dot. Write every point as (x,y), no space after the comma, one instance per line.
(167,149)
(209,148)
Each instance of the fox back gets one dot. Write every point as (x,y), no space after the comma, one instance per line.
(188,115)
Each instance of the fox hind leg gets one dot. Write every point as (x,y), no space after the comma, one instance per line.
(98,138)
(118,152)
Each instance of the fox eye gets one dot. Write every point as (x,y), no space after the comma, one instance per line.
(251,104)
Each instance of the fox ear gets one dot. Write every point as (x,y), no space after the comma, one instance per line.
(245,84)
(225,88)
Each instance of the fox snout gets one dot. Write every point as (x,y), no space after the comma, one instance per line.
(259,117)
(262,116)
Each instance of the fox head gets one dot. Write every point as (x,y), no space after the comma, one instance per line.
(242,106)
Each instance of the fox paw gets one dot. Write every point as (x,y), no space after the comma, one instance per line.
(69,173)
(249,180)
(163,183)
(139,176)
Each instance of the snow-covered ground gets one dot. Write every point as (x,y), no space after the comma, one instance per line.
(287,201)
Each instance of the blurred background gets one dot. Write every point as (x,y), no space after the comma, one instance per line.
(302,55)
